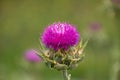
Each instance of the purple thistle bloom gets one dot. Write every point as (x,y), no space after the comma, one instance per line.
(95,26)
(116,1)
(31,56)
(60,36)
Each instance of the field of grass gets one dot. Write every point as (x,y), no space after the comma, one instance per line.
(22,21)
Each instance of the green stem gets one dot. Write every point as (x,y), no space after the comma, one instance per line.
(115,54)
(66,76)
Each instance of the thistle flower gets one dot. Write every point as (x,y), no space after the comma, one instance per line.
(31,56)
(95,26)
(60,50)
(60,36)
(116,1)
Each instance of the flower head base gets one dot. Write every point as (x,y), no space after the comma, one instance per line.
(60,36)
(63,59)
(30,55)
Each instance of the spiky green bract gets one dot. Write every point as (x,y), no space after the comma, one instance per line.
(63,59)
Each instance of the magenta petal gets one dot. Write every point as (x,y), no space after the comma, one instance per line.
(60,36)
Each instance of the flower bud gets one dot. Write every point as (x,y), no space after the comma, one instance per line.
(31,56)
(62,49)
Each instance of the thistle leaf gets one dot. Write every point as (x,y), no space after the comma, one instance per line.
(84,45)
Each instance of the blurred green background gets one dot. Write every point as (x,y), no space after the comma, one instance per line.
(22,21)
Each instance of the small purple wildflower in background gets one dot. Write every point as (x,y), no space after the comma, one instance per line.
(31,56)
(95,26)
(116,1)
(60,36)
